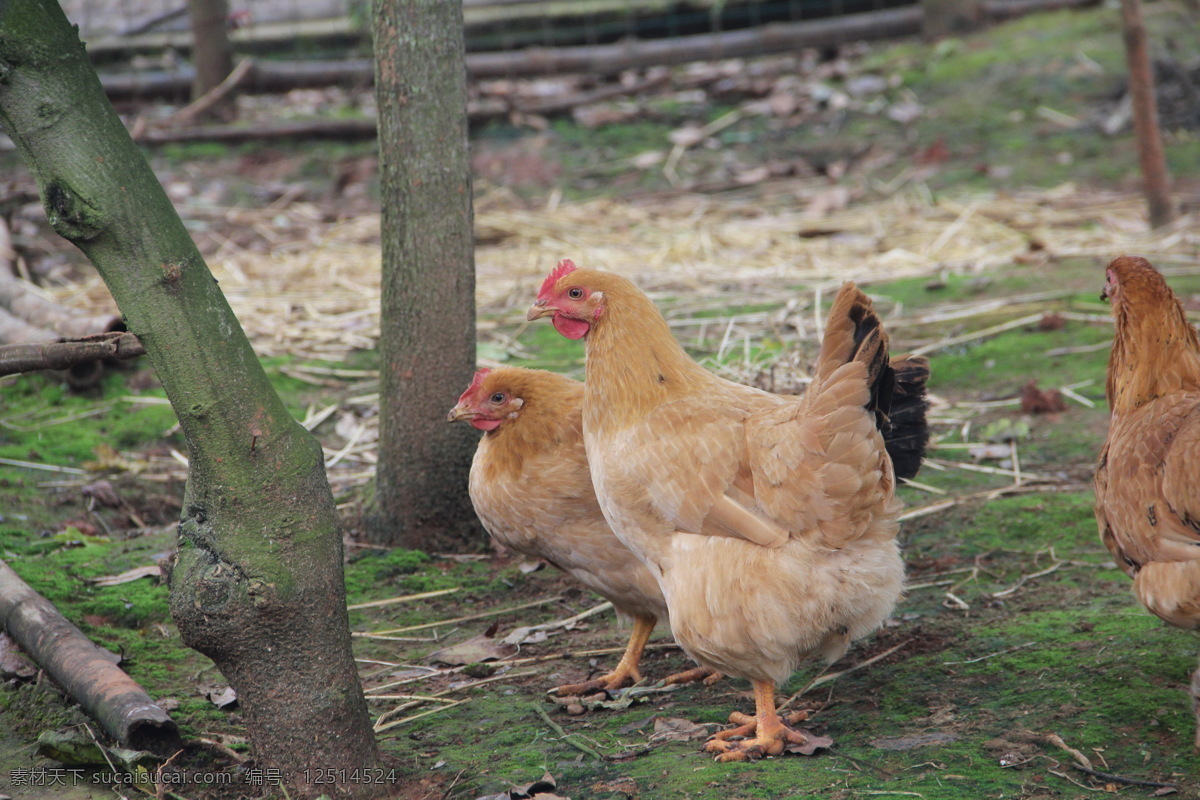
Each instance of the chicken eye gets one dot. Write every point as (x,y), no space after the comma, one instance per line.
(575,293)
(498,398)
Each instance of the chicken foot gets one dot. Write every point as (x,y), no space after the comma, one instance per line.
(772,734)
(705,675)
(626,670)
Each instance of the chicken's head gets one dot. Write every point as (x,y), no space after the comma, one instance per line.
(487,403)
(1132,280)
(566,296)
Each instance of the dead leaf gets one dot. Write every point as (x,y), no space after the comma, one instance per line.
(812,744)
(832,199)
(128,576)
(13,663)
(752,176)
(484,647)
(1041,401)
(1051,322)
(990,452)
(597,116)
(526,635)
(545,784)
(222,698)
(104,493)
(687,136)
(1164,791)
(676,729)
(648,159)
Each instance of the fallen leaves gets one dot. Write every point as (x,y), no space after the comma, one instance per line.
(676,729)
(1041,401)
(128,576)
(484,647)
(812,743)
(542,789)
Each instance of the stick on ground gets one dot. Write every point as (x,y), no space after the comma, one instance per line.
(106,693)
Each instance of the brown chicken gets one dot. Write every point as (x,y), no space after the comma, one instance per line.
(531,488)
(770,522)
(1148,476)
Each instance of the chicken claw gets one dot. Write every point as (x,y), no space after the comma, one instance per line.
(702,674)
(771,733)
(626,670)
(605,683)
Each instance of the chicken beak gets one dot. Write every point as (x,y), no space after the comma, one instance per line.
(459,413)
(539,310)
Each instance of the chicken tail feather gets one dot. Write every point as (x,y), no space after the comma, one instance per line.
(854,332)
(906,433)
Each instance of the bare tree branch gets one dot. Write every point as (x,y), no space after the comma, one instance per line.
(15,358)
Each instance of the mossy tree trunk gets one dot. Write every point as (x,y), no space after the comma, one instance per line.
(427,342)
(257,583)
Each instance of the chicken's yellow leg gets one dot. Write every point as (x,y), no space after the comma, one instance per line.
(771,733)
(626,670)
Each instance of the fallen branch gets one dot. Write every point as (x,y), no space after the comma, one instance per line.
(565,737)
(187,115)
(23,300)
(15,358)
(106,693)
(1108,776)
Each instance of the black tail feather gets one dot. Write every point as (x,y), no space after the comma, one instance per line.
(906,432)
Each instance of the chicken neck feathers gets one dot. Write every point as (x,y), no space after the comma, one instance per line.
(1155,349)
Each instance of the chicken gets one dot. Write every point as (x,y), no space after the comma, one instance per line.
(1148,476)
(531,488)
(770,522)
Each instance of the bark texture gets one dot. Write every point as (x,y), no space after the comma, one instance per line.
(1156,179)
(427,342)
(257,584)
(212,54)
(950,17)
(87,673)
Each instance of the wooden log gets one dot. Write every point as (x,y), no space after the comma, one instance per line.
(106,693)
(57,355)
(17,331)
(600,60)
(21,299)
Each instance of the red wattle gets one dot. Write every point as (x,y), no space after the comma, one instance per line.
(571,328)
(485,424)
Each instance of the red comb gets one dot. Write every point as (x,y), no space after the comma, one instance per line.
(564,267)
(476,383)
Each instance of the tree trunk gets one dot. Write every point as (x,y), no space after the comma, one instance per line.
(212,54)
(1145,117)
(427,336)
(940,18)
(257,583)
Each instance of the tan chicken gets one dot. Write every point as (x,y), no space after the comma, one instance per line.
(770,522)
(531,488)
(1148,476)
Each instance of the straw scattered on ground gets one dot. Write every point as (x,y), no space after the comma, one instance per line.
(315,296)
